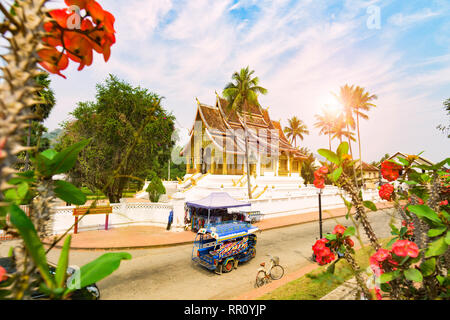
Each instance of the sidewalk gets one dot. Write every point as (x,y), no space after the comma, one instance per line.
(139,237)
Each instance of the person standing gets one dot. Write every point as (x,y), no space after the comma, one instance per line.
(169,222)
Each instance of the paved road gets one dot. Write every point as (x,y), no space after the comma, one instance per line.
(167,273)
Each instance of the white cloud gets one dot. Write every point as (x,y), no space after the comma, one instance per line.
(407,20)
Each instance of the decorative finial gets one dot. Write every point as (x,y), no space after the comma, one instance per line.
(197,100)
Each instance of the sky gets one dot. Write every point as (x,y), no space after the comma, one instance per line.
(302,51)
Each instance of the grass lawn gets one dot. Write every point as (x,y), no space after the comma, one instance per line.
(305,288)
(98,195)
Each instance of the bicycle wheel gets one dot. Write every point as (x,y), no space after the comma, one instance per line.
(276,272)
(260,278)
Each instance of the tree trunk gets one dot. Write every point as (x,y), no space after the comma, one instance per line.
(329,140)
(27,156)
(246,160)
(359,145)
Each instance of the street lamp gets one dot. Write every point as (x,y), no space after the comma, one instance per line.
(320,212)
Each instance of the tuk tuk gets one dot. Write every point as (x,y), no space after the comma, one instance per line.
(220,247)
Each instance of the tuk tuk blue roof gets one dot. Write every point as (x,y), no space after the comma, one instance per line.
(229,229)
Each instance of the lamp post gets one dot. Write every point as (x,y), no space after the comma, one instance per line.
(319,193)
(320,212)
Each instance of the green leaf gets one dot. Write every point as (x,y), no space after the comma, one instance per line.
(428,267)
(436,248)
(329,155)
(403,161)
(350,231)
(334,176)
(425,177)
(34,246)
(342,149)
(49,153)
(43,165)
(370,205)
(389,276)
(98,269)
(436,232)
(423,211)
(447,238)
(66,159)
(63,262)
(394,229)
(330,236)
(69,193)
(17,194)
(413,275)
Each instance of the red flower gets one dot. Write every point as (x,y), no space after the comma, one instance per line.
(3,275)
(349,242)
(443,203)
(378,294)
(386,191)
(381,255)
(319,245)
(390,170)
(319,183)
(323,170)
(322,252)
(403,248)
(339,229)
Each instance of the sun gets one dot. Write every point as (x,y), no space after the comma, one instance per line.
(332,105)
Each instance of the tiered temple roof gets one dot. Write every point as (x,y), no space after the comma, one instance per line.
(219,121)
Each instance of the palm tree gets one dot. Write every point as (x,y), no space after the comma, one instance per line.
(347,97)
(325,123)
(338,130)
(295,129)
(362,102)
(243,91)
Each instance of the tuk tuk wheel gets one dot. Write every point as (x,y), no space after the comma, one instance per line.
(252,252)
(228,265)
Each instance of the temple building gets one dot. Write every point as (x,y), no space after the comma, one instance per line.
(217,144)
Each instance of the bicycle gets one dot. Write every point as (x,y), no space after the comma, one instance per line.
(274,272)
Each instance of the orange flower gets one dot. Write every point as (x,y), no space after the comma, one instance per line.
(53,60)
(79,48)
(79,3)
(60,16)
(95,11)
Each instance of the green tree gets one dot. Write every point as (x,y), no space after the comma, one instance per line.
(155,188)
(120,113)
(308,166)
(244,91)
(442,127)
(295,129)
(41,111)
